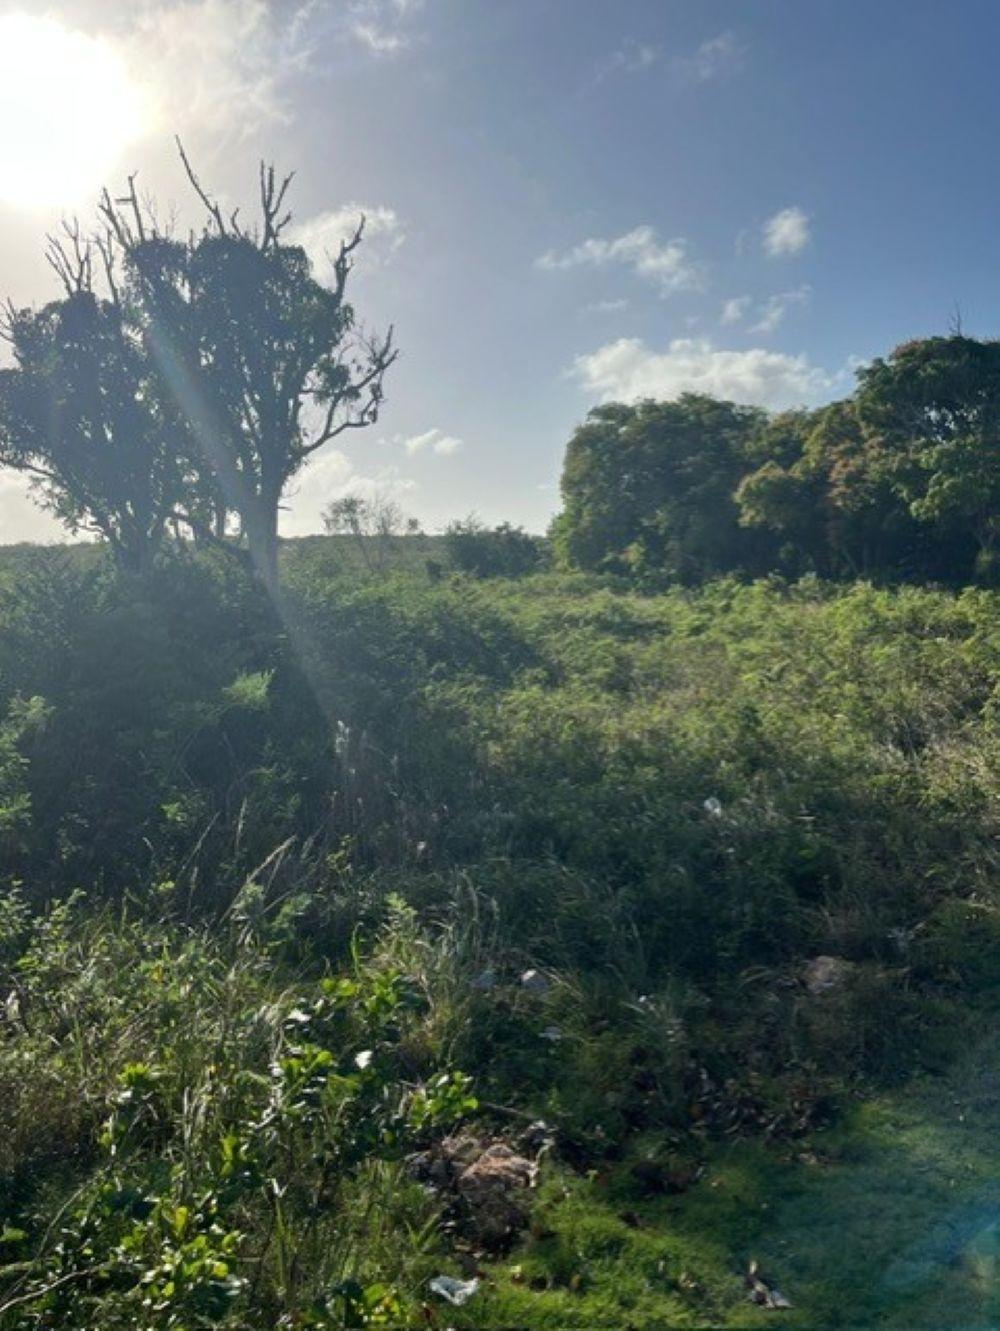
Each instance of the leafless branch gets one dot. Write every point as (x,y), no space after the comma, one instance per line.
(380,356)
(105,245)
(214,211)
(272,200)
(70,258)
(123,215)
(343,263)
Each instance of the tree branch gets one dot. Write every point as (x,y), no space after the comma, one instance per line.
(215,212)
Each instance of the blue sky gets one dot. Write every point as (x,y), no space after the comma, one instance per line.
(569,200)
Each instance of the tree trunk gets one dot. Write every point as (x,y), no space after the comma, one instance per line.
(260,525)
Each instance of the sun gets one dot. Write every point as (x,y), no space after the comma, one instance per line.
(68,109)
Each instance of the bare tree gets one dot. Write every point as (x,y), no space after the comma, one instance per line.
(374,524)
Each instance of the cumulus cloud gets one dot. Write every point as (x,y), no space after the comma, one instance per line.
(627,369)
(666,265)
(787,232)
(331,476)
(773,310)
(320,236)
(432,441)
(714,59)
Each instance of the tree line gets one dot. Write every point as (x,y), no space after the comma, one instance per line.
(898,482)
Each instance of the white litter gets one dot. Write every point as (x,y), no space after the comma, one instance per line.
(455,1291)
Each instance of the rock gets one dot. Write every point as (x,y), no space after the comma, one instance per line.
(823,975)
(493,1189)
(488,1182)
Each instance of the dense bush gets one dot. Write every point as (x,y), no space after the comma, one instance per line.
(492,552)
(668,806)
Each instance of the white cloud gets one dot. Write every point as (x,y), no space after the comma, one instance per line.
(632,57)
(773,310)
(432,441)
(734,309)
(714,59)
(320,236)
(217,64)
(787,232)
(627,370)
(664,264)
(382,26)
(331,476)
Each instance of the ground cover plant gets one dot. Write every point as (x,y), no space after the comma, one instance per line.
(684,899)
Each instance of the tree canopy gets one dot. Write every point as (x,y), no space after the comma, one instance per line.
(651,487)
(900,481)
(186,380)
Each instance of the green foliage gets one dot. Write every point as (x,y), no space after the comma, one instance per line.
(933,409)
(194,387)
(321,851)
(649,489)
(898,482)
(25,717)
(492,552)
(223,1170)
(78,417)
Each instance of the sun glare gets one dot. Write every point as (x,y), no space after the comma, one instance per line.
(67,111)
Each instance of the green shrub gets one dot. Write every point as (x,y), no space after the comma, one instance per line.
(492,552)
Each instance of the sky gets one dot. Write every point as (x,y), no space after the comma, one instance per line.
(568,201)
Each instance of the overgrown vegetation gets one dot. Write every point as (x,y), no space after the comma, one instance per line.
(295,889)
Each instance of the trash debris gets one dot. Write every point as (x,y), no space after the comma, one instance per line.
(713,807)
(363,1060)
(552,1033)
(455,1291)
(491,1189)
(535,982)
(762,1293)
(488,1182)
(824,974)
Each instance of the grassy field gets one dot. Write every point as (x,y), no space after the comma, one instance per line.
(272,876)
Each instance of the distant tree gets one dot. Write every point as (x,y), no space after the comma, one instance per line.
(374,524)
(931,413)
(78,414)
(650,488)
(823,490)
(783,498)
(503,551)
(264,362)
